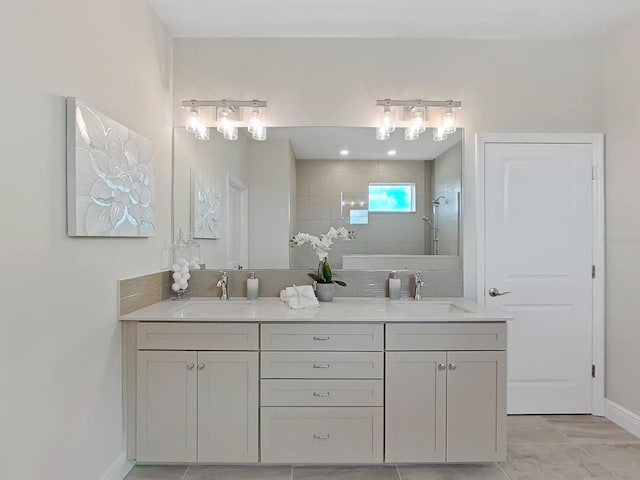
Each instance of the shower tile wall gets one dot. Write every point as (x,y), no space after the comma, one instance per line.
(446,180)
(319,187)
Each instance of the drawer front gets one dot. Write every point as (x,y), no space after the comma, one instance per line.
(321,364)
(197,336)
(446,336)
(322,337)
(322,393)
(321,435)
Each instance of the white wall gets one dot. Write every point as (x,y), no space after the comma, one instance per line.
(505,86)
(621,102)
(60,340)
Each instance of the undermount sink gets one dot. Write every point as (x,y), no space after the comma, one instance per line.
(428,308)
(212,307)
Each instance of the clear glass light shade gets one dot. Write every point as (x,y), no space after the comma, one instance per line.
(191,119)
(224,119)
(202,132)
(382,133)
(259,134)
(449,120)
(411,133)
(418,118)
(386,120)
(230,133)
(256,121)
(439,135)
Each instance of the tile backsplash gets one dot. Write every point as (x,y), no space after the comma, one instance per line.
(139,292)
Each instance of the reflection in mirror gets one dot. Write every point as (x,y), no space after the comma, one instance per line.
(403,206)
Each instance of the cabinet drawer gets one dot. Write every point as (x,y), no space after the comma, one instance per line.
(321,434)
(321,337)
(197,336)
(321,364)
(446,336)
(322,393)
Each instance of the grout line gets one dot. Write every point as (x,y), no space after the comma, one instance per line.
(292,471)
(502,470)
(597,460)
(398,472)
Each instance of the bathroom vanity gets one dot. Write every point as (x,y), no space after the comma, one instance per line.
(358,380)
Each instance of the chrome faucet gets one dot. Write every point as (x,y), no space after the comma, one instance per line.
(419,285)
(222,283)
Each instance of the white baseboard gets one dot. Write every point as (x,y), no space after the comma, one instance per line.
(621,416)
(118,469)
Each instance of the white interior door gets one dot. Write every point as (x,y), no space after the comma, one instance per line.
(237,221)
(538,246)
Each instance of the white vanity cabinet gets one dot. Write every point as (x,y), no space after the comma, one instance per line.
(445,405)
(322,398)
(193,402)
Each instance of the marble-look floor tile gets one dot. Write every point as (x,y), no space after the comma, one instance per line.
(452,472)
(250,472)
(533,429)
(590,429)
(345,473)
(623,460)
(552,462)
(157,472)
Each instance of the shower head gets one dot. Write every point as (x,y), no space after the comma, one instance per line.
(437,200)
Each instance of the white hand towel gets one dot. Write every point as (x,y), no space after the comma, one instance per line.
(299,297)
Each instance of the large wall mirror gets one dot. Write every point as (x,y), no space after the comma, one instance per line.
(243,200)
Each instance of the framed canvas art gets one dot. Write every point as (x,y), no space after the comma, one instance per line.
(110,185)
(206,206)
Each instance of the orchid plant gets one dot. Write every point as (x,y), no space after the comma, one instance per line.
(321,246)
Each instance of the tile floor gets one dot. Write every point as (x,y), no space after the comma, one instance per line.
(554,447)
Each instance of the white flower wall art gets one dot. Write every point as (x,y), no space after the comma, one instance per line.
(206,206)
(110,188)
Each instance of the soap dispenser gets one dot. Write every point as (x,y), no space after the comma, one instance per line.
(394,286)
(252,286)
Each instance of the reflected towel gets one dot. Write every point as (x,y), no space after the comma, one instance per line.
(299,297)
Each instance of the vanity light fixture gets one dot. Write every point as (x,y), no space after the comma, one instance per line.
(415,118)
(228,117)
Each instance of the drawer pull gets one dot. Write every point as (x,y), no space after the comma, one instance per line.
(452,366)
(323,337)
(201,366)
(321,365)
(322,436)
(190,366)
(442,366)
(321,394)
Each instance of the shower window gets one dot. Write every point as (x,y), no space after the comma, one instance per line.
(392,197)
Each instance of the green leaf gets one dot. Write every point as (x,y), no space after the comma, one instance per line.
(340,282)
(326,271)
(315,277)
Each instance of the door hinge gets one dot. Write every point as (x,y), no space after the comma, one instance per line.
(593,271)
(593,371)
(593,173)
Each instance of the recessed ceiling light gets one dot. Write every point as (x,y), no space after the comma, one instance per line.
(344,151)
(391,153)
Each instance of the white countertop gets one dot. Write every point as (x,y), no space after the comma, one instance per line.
(341,309)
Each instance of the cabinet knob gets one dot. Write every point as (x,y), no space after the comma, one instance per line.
(441,366)
(321,365)
(201,366)
(321,337)
(321,436)
(190,366)
(452,366)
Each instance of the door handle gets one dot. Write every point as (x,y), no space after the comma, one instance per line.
(494,292)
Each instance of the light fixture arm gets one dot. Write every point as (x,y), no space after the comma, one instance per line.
(418,103)
(224,103)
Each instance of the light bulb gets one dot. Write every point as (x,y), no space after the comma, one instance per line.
(417,122)
(411,133)
(223,119)
(449,120)
(256,121)
(202,132)
(386,119)
(439,135)
(382,133)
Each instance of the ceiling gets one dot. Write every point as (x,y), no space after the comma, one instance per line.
(325,143)
(463,19)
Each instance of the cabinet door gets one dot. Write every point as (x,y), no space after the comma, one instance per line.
(166,406)
(228,407)
(476,406)
(415,407)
